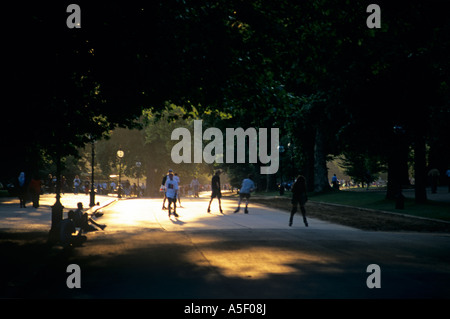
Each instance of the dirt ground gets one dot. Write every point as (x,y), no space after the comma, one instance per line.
(361,218)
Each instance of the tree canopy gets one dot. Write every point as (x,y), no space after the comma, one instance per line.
(314,69)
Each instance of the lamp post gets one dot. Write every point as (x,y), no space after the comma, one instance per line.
(399,132)
(92,193)
(57,208)
(138,165)
(120,155)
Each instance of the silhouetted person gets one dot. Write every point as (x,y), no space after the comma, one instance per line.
(215,190)
(335,182)
(195,184)
(434,175)
(299,197)
(22,189)
(163,186)
(76,184)
(35,190)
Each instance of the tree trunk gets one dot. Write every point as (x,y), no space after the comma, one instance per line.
(57,208)
(270,183)
(393,184)
(321,183)
(420,169)
(153,182)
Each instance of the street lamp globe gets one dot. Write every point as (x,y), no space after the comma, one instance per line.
(119,190)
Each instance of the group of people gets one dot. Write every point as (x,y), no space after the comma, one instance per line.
(28,189)
(299,196)
(77,219)
(171,181)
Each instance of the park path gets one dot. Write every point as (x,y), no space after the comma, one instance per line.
(145,254)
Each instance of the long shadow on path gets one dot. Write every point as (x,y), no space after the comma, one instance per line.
(224,264)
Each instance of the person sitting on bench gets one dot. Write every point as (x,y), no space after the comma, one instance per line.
(82,220)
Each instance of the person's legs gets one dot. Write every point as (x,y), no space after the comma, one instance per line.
(302,208)
(209,206)
(174,200)
(293,211)
(102,227)
(169,205)
(247,197)
(220,205)
(164,201)
(36,200)
(22,200)
(239,204)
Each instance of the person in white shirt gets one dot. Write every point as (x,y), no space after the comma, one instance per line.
(76,184)
(171,193)
(195,184)
(247,187)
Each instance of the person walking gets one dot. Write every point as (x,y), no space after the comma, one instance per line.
(76,184)
(335,182)
(35,190)
(195,184)
(434,176)
(171,193)
(163,188)
(215,190)
(247,187)
(86,186)
(299,197)
(22,189)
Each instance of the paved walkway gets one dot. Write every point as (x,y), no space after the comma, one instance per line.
(145,254)
(442,194)
(193,216)
(147,213)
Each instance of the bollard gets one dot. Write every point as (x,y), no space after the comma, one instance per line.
(57,216)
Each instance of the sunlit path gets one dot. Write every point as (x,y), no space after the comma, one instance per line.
(148,214)
(143,253)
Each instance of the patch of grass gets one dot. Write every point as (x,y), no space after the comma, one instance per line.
(376,200)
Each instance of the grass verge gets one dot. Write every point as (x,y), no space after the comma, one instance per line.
(367,211)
